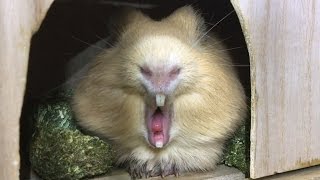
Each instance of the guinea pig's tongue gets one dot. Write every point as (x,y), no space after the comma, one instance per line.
(158,128)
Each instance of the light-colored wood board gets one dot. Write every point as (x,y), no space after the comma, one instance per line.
(311,173)
(283,39)
(221,173)
(18,20)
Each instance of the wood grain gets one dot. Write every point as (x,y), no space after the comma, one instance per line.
(18,21)
(283,38)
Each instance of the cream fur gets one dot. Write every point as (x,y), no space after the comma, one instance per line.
(208,100)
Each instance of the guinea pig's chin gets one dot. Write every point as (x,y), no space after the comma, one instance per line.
(158,124)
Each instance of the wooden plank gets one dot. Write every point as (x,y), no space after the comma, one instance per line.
(18,20)
(283,39)
(311,173)
(226,173)
(221,173)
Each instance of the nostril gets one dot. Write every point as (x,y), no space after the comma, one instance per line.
(145,71)
(175,72)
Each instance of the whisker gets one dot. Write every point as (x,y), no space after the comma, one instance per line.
(86,43)
(212,27)
(231,48)
(211,18)
(211,24)
(105,41)
(235,65)
(219,41)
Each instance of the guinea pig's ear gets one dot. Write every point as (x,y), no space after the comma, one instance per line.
(125,17)
(189,21)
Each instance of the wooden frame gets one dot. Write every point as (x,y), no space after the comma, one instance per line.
(283,38)
(18,21)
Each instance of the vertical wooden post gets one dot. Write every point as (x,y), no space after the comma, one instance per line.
(283,39)
(18,21)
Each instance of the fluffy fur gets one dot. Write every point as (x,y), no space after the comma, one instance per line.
(208,102)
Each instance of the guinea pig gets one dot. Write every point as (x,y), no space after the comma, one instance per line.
(166,94)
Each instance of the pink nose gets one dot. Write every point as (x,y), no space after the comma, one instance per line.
(160,78)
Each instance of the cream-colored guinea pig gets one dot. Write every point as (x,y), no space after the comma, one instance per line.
(165,94)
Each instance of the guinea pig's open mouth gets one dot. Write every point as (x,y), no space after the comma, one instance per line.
(158,123)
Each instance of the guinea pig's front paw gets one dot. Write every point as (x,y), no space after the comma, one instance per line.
(167,170)
(149,170)
(137,171)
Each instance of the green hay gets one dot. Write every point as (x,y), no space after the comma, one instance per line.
(237,150)
(60,151)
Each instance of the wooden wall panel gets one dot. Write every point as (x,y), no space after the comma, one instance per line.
(283,38)
(18,20)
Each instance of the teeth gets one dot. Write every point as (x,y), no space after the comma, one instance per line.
(160,99)
(159,144)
